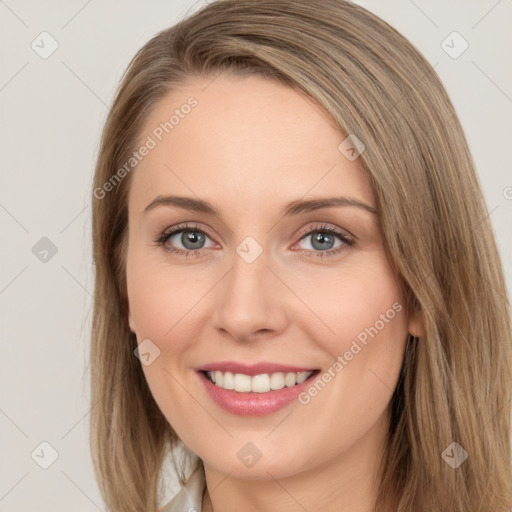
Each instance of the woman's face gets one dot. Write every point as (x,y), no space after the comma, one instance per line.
(259,287)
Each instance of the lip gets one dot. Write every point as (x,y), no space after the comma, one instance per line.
(254,404)
(252,369)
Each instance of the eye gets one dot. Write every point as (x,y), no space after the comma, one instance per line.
(190,237)
(322,241)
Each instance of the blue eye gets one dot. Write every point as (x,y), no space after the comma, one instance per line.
(192,239)
(322,240)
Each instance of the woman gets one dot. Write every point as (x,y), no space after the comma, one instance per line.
(296,277)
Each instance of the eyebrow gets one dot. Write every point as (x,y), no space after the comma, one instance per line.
(292,208)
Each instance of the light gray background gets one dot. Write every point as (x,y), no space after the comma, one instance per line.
(52,112)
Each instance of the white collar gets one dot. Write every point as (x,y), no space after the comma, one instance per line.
(190,496)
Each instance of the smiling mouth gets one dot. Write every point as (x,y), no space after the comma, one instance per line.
(262,383)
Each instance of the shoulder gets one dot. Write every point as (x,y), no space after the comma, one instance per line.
(190,496)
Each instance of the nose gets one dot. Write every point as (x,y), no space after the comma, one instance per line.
(251,301)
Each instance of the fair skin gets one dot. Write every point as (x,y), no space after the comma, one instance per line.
(249,147)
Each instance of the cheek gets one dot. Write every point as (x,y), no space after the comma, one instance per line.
(161,308)
(360,324)
(361,302)
(163,303)
(161,297)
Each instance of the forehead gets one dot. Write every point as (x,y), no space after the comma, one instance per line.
(244,138)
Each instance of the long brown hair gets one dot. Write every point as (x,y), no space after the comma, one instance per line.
(455,385)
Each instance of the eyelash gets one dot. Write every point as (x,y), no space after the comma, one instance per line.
(347,241)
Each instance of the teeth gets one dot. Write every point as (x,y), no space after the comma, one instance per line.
(302,376)
(277,381)
(228,381)
(290,380)
(242,383)
(262,383)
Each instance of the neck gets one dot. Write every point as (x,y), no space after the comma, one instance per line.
(346,483)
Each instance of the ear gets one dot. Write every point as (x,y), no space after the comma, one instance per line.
(416,324)
(131,321)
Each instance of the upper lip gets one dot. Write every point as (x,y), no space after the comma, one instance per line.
(252,369)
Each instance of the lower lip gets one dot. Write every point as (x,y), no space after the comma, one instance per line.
(253,404)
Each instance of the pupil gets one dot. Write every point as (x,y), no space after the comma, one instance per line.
(321,238)
(192,237)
